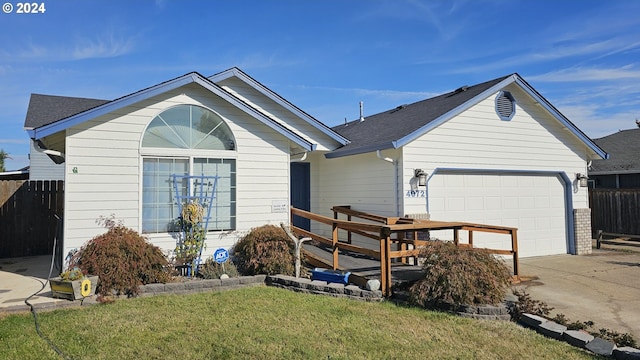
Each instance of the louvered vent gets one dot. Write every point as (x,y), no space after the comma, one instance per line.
(505,105)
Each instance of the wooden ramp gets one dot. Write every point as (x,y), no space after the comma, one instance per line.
(362,267)
(391,243)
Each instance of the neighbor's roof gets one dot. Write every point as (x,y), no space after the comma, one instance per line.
(624,153)
(397,127)
(46,109)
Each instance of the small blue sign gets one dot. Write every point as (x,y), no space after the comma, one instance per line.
(221,255)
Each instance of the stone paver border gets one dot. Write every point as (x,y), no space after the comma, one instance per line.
(580,339)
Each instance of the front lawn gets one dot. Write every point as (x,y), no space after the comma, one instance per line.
(268,323)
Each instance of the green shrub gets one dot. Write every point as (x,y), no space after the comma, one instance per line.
(213,270)
(123,260)
(265,250)
(460,276)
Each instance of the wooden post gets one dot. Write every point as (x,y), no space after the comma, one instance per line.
(456,236)
(471,238)
(385,261)
(383,270)
(599,239)
(403,246)
(514,247)
(349,231)
(334,234)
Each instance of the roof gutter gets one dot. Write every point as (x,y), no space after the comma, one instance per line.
(56,156)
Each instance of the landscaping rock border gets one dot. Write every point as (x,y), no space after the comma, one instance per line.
(197,286)
(480,312)
(309,286)
(304,285)
(580,339)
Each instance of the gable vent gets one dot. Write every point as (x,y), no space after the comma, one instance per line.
(505,105)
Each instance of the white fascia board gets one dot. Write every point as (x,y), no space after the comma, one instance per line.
(279,100)
(61,125)
(451,113)
(360,150)
(562,119)
(297,139)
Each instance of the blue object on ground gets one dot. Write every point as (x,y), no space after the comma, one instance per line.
(330,276)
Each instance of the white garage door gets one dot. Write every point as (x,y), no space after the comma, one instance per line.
(533,204)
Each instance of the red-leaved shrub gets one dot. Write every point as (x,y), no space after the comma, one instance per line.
(460,276)
(123,260)
(265,250)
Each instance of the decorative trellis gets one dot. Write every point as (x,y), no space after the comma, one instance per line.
(200,189)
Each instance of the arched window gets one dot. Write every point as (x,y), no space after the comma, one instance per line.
(188,127)
(202,144)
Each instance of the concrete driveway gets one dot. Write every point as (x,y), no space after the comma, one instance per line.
(22,277)
(603,287)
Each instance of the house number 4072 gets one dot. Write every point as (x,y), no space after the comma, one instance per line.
(416,194)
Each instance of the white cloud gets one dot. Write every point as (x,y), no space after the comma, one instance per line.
(627,72)
(549,54)
(597,125)
(102,46)
(106,47)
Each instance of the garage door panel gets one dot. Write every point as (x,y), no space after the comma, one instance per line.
(533,204)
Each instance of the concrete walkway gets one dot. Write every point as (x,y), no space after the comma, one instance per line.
(22,277)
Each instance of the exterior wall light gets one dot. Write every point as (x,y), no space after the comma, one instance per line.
(422,177)
(582,179)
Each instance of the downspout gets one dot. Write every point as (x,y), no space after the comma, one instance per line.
(395,181)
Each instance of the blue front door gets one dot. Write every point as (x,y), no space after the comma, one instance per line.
(301,192)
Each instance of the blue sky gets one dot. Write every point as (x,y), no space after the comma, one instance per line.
(326,56)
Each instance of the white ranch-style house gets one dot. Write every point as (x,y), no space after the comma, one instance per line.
(495,153)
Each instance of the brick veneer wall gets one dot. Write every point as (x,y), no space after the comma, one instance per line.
(582,228)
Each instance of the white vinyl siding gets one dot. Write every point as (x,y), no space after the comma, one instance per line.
(364,182)
(106,153)
(41,167)
(477,139)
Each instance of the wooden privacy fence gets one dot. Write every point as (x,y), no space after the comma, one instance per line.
(28,211)
(402,233)
(615,211)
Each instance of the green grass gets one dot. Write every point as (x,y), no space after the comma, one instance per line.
(268,323)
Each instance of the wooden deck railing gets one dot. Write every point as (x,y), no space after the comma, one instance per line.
(388,231)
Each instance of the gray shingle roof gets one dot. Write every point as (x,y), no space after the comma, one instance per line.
(380,130)
(47,109)
(624,152)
